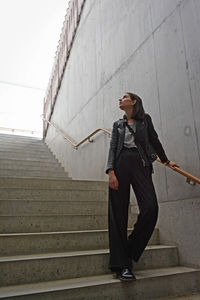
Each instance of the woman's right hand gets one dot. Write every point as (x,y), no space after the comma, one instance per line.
(113,182)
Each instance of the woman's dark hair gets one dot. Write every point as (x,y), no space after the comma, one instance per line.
(138,111)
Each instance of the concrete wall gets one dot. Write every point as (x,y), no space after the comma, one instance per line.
(150,47)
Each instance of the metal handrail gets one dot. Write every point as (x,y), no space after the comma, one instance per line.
(76,145)
(191,179)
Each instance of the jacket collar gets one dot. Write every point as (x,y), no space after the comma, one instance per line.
(138,124)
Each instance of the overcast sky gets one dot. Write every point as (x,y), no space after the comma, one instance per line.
(29,31)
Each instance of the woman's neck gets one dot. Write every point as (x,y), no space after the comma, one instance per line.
(129,114)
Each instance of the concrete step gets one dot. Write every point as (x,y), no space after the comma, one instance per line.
(9,145)
(150,285)
(21,143)
(33,173)
(51,184)
(53,194)
(24,156)
(25,140)
(25,144)
(28,224)
(16,137)
(27,157)
(45,242)
(44,159)
(25,149)
(37,208)
(55,266)
(29,163)
(195,296)
(22,169)
(25,153)
(56,168)
(52,177)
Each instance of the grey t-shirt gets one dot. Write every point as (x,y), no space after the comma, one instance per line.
(129,140)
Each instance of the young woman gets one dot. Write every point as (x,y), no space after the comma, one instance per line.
(130,163)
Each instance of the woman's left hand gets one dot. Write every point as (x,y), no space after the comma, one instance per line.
(172,165)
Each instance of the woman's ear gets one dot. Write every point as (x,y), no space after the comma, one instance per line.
(134,101)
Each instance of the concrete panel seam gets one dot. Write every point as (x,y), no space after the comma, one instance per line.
(189,85)
(158,93)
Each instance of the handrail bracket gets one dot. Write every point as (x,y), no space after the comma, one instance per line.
(90,140)
(190,181)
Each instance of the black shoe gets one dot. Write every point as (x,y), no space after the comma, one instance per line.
(126,275)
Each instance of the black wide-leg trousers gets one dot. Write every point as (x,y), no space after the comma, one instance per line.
(130,171)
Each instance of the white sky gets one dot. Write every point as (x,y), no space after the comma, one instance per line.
(29,34)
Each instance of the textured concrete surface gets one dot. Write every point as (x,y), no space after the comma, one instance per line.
(21,157)
(150,285)
(46,242)
(45,193)
(55,266)
(56,230)
(55,222)
(152,48)
(52,184)
(186,297)
(180,227)
(14,224)
(33,207)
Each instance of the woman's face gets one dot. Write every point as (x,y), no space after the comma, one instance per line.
(126,102)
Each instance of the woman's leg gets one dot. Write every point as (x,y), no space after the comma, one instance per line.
(117,225)
(118,219)
(148,210)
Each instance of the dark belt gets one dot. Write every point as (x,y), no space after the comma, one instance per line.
(131,149)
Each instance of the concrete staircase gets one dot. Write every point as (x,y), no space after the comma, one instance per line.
(54,240)
(28,157)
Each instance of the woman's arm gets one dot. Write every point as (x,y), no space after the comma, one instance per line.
(113,182)
(154,140)
(113,148)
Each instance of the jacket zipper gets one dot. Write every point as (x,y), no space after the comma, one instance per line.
(143,161)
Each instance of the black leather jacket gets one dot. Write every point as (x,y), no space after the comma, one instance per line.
(145,134)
